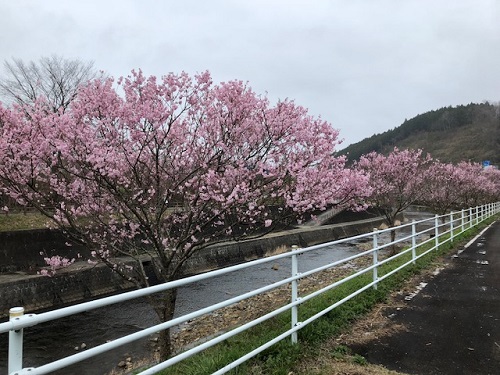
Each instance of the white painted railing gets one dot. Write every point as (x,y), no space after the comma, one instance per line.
(433,233)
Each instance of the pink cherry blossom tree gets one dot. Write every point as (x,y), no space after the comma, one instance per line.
(493,176)
(475,185)
(154,170)
(466,184)
(395,180)
(442,186)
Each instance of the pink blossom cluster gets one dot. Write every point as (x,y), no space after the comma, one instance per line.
(166,166)
(405,177)
(455,186)
(395,179)
(163,167)
(54,263)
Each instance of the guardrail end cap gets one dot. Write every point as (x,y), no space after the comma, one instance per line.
(16,312)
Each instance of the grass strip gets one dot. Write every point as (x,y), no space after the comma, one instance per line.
(23,221)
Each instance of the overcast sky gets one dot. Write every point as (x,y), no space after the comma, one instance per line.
(362,65)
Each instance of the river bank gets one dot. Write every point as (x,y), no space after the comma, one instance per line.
(82,282)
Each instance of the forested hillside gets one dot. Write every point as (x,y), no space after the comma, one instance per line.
(450,134)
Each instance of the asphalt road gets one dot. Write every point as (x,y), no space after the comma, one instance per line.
(453,324)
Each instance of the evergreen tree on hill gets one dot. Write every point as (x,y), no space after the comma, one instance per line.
(451,134)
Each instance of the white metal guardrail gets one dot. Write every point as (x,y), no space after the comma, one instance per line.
(436,231)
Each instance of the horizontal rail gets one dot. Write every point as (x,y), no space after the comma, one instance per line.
(439,229)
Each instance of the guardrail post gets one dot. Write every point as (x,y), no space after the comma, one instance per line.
(375,258)
(463,221)
(15,342)
(295,293)
(451,226)
(413,241)
(470,217)
(436,231)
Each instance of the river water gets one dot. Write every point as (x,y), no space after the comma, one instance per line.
(57,339)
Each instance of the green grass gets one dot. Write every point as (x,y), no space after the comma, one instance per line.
(281,358)
(21,221)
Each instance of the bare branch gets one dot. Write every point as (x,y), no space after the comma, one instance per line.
(54,79)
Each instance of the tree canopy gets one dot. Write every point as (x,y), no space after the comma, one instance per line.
(157,169)
(55,79)
(147,169)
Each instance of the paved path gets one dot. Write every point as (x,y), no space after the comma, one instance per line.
(454,322)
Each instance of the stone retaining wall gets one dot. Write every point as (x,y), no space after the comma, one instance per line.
(223,255)
(22,250)
(37,293)
(82,282)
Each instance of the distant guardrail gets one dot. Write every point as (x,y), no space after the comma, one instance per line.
(426,236)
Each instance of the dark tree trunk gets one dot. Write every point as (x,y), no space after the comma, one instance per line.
(393,246)
(390,218)
(164,305)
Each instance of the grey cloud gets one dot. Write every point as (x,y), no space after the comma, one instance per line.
(364,66)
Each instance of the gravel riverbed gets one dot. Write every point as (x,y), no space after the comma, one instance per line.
(195,331)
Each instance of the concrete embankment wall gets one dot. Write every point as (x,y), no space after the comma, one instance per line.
(82,282)
(24,250)
(224,255)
